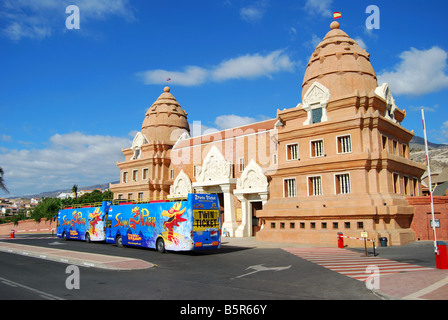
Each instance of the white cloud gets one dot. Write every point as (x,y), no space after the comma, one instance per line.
(320,7)
(74,158)
(233,121)
(191,76)
(249,66)
(40,19)
(361,43)
(253,66)
(419,72)
(254,12)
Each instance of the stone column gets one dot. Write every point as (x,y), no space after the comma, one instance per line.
(230,223)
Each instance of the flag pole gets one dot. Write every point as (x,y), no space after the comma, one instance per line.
(430,185)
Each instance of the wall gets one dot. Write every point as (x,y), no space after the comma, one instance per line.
(422,216)
(28,226)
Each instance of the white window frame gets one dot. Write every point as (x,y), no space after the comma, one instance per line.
(336,182)
(312,147)
(337,144)
(143,174)
(297,153)
(286,190)
(311,194)
(241,164)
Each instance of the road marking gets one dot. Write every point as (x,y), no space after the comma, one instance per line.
(260,267)
(352,264)
(40,293)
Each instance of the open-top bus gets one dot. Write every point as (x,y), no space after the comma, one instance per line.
(185,224)
(83,222)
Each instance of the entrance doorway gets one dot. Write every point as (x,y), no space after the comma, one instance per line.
(257,205)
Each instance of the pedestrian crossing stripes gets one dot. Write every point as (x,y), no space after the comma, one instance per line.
(353,264)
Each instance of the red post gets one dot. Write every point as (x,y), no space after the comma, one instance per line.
(340,241)
(441,256)
(12,234)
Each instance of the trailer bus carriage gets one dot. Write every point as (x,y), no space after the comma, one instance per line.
(83,222)
(187,224)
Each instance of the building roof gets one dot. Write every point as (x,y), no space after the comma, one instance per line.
(231,133)
(165,121)
(341,65)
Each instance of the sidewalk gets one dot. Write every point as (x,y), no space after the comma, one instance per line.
(412,285)
(77,258)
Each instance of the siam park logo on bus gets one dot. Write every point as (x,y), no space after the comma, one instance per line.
(76,220)
(138,219)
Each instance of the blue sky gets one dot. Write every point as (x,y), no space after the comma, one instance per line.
(71,99)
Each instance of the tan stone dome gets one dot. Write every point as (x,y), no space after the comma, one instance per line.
(341,65)
(165,120)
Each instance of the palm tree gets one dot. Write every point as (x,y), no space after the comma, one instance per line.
(2,182)
(75,190)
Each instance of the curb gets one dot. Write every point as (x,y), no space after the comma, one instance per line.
(82,259)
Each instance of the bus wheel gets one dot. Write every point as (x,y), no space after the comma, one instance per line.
(119,241)
(64,236)
(87,237)
(160,245)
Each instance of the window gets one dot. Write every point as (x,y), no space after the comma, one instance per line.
(313,225)
(292,151)
(396,182)
(145,174)
(134,175)
(315,186)
(342,183)
(272,225)
(241,164)
(125,177)
(324,225)
(172,174)
(274,158)
(140,196)
(316,115)
(344,144)
(317,148)
(415,187)
(292,225)
(290,188)
(384,139)
(195,170)
(335,225)
(406,185)
(282,225)
(302,225)
(360,225)
(347,225)
(405,151)
(129,196)
(395,147)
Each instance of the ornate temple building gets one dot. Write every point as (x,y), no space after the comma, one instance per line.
(337,162)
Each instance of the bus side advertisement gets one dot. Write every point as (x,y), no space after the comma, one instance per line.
(79,223)
(182,225)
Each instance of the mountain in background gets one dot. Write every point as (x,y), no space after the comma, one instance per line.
(438,153)
(419,143)
(52,194)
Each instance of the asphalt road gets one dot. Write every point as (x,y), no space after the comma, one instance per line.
(230,273)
